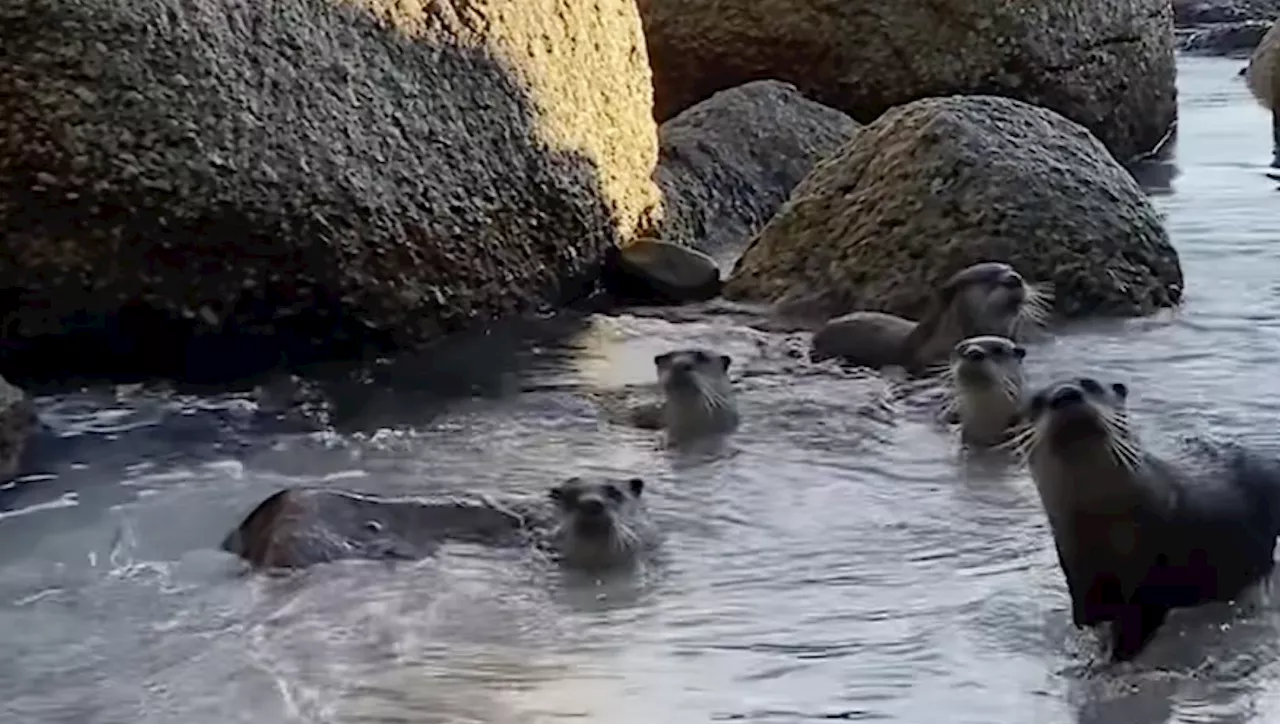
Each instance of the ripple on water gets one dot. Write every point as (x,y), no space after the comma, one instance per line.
(837,559)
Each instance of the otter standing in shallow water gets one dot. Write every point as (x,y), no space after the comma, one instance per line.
(1136,535)
(697,396)
(987,381)
(583,524)
(990,298)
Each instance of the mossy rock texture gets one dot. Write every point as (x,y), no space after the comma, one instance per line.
(1107,64)
(218,184)
(936,185)
(728,163)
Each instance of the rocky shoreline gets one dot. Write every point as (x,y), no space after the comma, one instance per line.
(207,190)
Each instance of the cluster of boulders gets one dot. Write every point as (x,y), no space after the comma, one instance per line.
(1223,27)
(209,187)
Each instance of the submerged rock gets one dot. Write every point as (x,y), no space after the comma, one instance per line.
(651,271)
(17,423)
(726,164)
(939,184)
(1106,65)
(221,185)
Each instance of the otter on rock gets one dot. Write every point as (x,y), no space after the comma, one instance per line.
(1262,76)
(583,524)
(697,396)
(989,298)
(986,379)
(1137,535)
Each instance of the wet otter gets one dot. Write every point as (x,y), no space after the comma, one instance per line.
(986,298)
(1138,535)
(697,396)
(987,381)
(583,524)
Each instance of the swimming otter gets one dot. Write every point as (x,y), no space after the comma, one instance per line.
(697,396)
(583,524)
(987,381)
(1136,535)
(986,298)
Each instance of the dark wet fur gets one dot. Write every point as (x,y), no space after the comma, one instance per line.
(1216,539)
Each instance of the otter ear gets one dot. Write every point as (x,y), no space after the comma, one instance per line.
(725,361)
(1020,352)
(636,486)
(1121,390)
(662,360)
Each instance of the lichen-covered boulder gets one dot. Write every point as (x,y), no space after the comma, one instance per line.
(726,164)
(1107,65)
(217,183)
(936,185)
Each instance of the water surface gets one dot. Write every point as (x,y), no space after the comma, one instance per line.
(838,561)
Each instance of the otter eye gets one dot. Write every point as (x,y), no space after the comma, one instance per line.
(1121,390)
(612,491)
(1090,386)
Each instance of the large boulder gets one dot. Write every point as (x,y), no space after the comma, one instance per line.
(220,183)
(1107,65)
(726,164)
(939,184)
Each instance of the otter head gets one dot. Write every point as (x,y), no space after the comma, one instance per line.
(688,371)
(986,360)
(990,298)
(599,521)
(1082,425)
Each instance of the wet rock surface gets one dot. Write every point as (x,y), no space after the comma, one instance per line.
(726,164)
(201,188)
(1107,65)
(939,184)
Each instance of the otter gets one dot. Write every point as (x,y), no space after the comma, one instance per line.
(1262,76)
(987,382)
(1138,535)
(584,524)
(697,396)
(986,298)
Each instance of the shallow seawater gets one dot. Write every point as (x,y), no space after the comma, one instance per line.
(837,560)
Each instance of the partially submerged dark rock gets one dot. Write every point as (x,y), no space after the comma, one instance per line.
(1227,39)
(1106,65)
(207,187)
(726,164)
(939,184)
(1203,12)
(17,423)
(650,271)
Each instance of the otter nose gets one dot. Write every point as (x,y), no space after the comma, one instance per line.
(1065,396)
(591,506)
(974,354)
(1011,281)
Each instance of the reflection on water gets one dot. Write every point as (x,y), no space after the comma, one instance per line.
(836,559)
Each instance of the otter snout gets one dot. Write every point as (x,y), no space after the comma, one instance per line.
(973,354)
(591,507)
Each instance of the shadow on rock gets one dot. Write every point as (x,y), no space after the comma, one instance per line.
(202,190)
